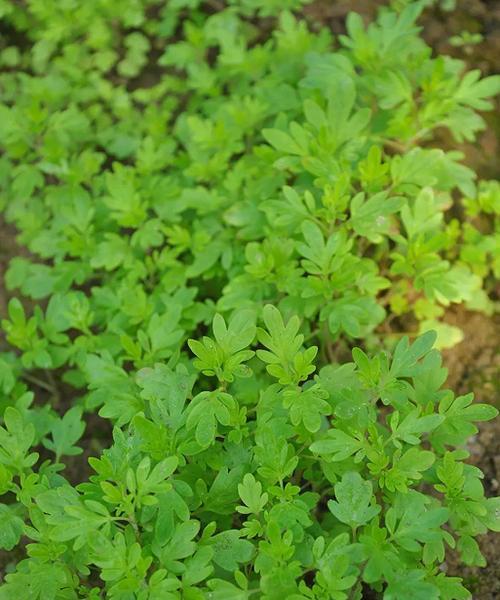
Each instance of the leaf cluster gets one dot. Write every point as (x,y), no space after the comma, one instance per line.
(215,200)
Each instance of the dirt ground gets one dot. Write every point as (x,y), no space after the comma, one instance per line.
(474,365)
(8,249)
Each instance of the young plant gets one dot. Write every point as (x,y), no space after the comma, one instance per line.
(214,203)
(305,489)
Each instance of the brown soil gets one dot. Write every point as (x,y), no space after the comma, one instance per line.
(8,249)
(474,16)
(476,360)
(332,14)
(474,365)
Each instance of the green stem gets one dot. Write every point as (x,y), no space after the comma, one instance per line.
(38,382)
(326,346)
(53,385)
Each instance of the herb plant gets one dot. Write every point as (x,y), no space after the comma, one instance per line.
(216,203)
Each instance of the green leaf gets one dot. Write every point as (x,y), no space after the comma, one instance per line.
(407,467)
(111,253)
(230,550)
(410,522)
(250,492)
(283,142)
(371,218)
(413,426)
(307,406)
(337,446)
(65,433)
(450,588)
(412,586)
(459,416)
(11,528)
(355,315)
(224,356)
(354,501)
(405,357)
(283,357)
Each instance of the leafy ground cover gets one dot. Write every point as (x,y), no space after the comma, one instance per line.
(214,206)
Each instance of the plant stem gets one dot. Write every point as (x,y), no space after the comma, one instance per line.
(327,346)
(53,384)
(38,382)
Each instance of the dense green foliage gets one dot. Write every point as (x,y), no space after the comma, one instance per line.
(215,202)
